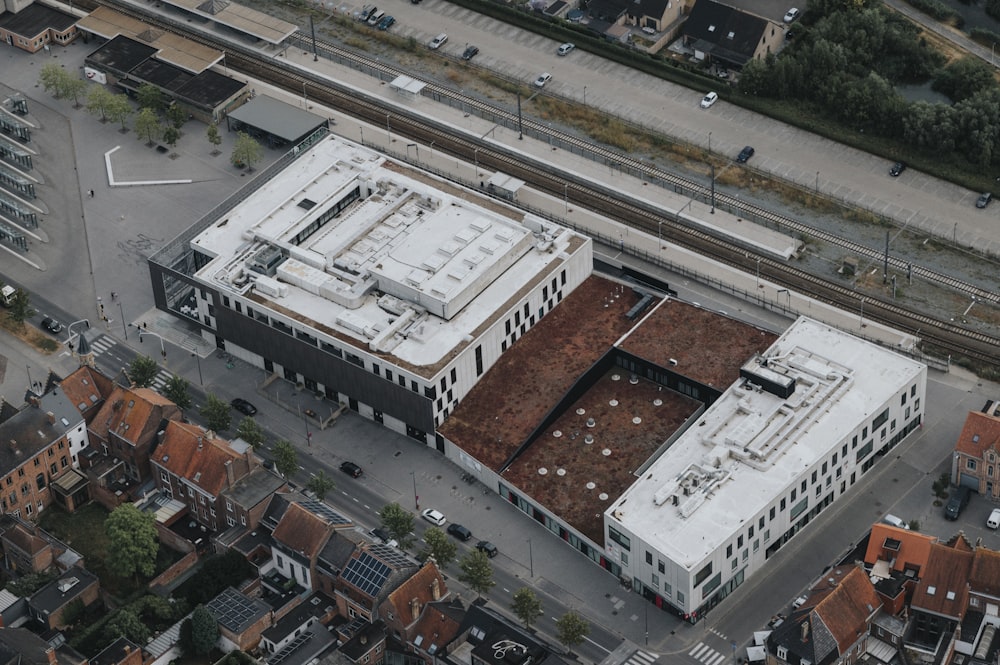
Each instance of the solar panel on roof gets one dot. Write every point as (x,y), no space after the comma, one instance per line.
(324,511)
(366,573)
(390,555)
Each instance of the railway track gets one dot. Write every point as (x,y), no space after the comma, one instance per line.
(978,346)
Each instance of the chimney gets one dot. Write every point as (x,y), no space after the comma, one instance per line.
(51,653)
(805,630)
(364,638)
(414,609)
(435,589)
(51,417)
(252,460)
(230,476)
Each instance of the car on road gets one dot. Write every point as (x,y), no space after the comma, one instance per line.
(487,548)
(745,154)
(51,325)
(243,406)
(897,168)
(470,52)
(791,15)
(438,41)
(386,23)
(351,469)
(433,516)
(542,79)
(993,521)
(564,49)
(459,531)
(984,200)
(709,99)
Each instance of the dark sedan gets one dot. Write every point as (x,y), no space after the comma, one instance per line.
(351,469)
(51,325)
(745,154)
(470,52)
(459,531)
(897,168)
(243,406)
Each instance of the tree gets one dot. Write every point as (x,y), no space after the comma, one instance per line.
(320,484)
(125,623)
(142,370)
(216,413)
(177,116)
(398,522)
(51,77)
(147,126)
(171,135)
(149,97)
(98,100)
(571,629)
(286,460)
(439,546)
(20,308)
(526,606)
(74,87)
(964,78)
(73,611)
(246,151)
(477,572)
(204,631)
(132,543)
(212,133)
(250,431)
(176,390)
(25,585)
(119,109)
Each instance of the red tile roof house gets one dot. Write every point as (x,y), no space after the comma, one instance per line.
(410,617)
(194,467)
(976,462)
(126,427)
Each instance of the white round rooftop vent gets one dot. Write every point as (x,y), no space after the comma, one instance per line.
(606,452)
(560,472)
(589,439)
(634,379)
(616,377)
(637,420)
(613,402)
(657,402)
(603,496)
(581,411)
(591,423)
(542,470)
(591,486)
(557,433)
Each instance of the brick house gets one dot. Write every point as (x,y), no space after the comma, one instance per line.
(370,575)
(941,597)
(896,558)
(832,627)
(122,651)
(193,466)
(32,27)
(125,427)
(87,389)
(729,36)
(49,603)
(29,549)
(406,608)
(242,619)
(19,646)
(976,463)
(297,542)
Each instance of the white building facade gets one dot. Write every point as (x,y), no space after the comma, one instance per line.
(370,283)
(804,423)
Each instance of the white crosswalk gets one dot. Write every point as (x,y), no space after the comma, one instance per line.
(641,658)
(160,380)
(706,654)
(102,345)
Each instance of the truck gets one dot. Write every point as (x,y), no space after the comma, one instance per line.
(7,295)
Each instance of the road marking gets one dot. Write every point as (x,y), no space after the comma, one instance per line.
(599,646)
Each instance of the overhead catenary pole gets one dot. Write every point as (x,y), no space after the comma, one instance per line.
(312,30)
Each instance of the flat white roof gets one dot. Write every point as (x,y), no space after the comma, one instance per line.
(750,445)
(372,249)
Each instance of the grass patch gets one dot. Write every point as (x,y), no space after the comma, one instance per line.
(30,335)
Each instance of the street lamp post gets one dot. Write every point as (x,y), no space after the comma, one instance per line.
(163,349)
(416,499)
(584,95)
(388,130)
(124,327)
(198,359)
(362,130)
(861,322)
(659,235)
(475,157)
(566,196)
(817,182)
(531,560)
(710,143)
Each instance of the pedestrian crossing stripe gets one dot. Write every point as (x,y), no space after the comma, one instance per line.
(706,654)
(642,658)
(102,344)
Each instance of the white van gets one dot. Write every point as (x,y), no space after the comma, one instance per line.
(892,520)
(376,16)
(993,521)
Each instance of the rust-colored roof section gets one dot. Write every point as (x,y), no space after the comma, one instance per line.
(26,541)
(980,432)
(131,413)
(943,588)
(188,452)
(419,587)
(708,347)
(532,376)
(302,531)
(914,548)
(845,610)
(436,628)
(577,470)
(86,388)
(985,575)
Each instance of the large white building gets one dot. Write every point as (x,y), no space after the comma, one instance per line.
(803,424)
(369,281)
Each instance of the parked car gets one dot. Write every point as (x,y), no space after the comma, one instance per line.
(438,41)
(384,536)
(745,154)
(386,23)
(799,602)
(434,517)
(542,79)
(243,406)
(897,522)
(984,200)
(459,531)
(791,15)
(351,469)
(366,12)
(957,503)
(993,521)
(564,49)
(376,16)
(51,325)
(897,168)
(470,52)
(487,548)
(709,99)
